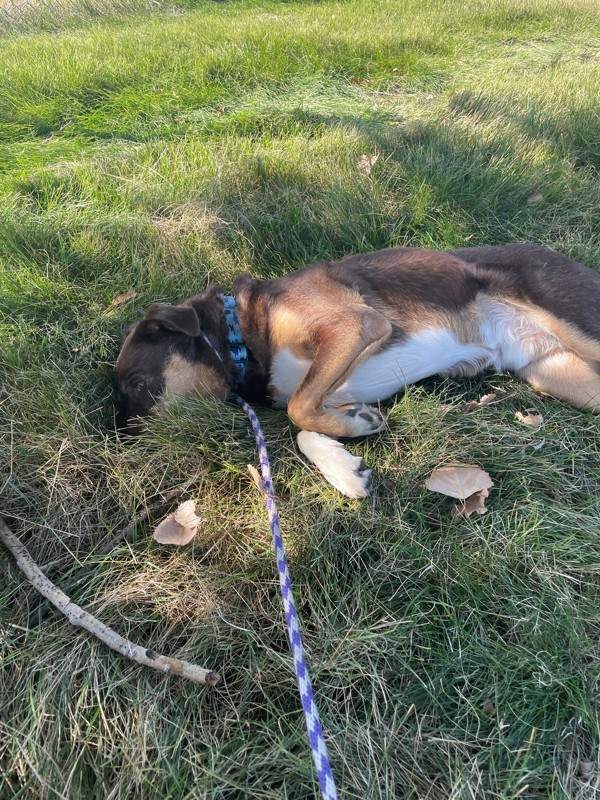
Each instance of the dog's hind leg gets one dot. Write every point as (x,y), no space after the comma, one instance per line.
(566,376)
(343,344)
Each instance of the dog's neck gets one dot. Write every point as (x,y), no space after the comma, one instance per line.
(244,350)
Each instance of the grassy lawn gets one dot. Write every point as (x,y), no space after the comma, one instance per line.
(156,151)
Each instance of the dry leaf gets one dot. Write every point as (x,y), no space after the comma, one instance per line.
(470,406)
(366,163)
(123,298)
(458,480)
(180,527)
(484,400)
(489,707)
(530,417)
(185,514)
(475,504)
(260,484)
(535,198)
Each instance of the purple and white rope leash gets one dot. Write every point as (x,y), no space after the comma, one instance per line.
(311,715)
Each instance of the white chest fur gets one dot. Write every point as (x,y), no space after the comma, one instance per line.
(286,373)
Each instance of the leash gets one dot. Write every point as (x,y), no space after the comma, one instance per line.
(311,715)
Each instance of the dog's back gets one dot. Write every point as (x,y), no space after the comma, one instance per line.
(540,276)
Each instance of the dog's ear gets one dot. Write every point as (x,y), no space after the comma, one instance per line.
(180,319)
(126,330)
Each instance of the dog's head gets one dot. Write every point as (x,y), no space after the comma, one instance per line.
(164,354)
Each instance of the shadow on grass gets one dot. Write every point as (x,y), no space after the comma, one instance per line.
(434,185)
(574,135)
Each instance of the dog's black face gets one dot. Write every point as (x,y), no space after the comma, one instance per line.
(164,355)
(140,374)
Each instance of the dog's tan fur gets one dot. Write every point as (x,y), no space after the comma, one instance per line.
(522,307)
(180,374)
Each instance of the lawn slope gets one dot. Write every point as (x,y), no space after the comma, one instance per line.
(155,152)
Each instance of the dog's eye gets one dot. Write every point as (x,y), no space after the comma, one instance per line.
(139,387)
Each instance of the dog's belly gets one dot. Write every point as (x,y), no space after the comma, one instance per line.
(503,336)
(430,352)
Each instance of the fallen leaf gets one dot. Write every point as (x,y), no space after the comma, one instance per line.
(489,707)
(586,767)
(458,480)
(180,527)
(366,163)
(123,298)
(469,237)
(535,198)
(254,474)
(470,406)
(484,400)
(530,417)
(220,111)
(185,514)
(475,504)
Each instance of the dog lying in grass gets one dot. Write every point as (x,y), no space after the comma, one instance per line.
(333,338)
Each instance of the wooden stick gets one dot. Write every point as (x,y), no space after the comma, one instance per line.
(80,618)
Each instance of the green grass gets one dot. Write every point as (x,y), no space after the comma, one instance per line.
(161,151)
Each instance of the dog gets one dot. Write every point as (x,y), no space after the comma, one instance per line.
(331,339)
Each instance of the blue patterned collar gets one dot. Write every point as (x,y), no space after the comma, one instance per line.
(237,348)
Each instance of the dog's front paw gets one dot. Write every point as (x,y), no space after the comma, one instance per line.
(349,474)
(362,419)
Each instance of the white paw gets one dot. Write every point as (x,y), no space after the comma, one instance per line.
(362,419)
(349,474)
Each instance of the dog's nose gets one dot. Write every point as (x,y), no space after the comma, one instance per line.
(128,425)
(130,429)
(125,422)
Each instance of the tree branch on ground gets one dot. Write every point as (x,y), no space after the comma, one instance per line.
(78,617)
